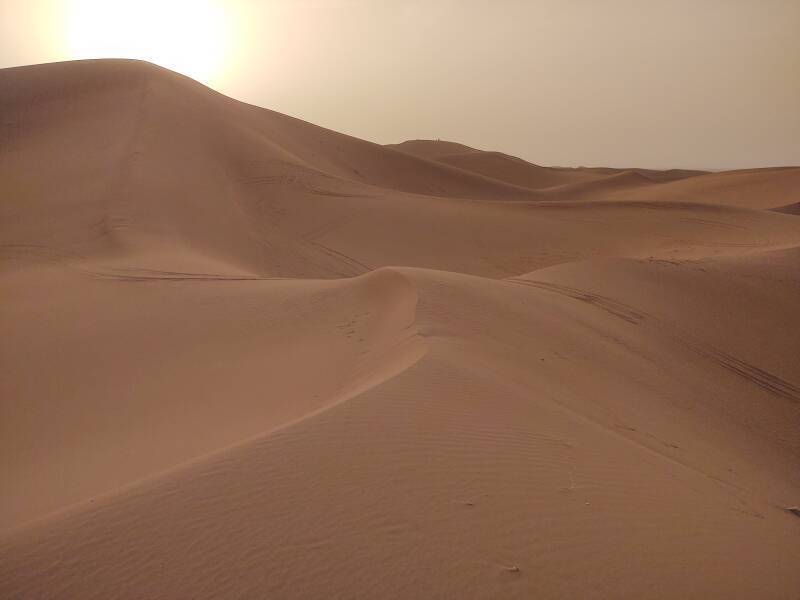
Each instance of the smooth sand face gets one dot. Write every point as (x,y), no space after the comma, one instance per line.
(244,356)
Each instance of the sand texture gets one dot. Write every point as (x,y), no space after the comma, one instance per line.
(244,356)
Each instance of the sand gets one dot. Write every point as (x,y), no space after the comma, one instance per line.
(248,357)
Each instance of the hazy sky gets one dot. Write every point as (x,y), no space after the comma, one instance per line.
(651,83)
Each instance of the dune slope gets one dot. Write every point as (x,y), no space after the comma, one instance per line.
(245,356)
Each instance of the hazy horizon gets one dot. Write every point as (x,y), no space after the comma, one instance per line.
(646,84)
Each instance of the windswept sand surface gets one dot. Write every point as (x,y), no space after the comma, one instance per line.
(247,357)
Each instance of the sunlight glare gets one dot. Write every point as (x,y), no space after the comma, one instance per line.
(188,36)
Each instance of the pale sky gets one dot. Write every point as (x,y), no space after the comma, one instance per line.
(710,84)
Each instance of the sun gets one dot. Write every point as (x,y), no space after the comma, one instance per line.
(188,36)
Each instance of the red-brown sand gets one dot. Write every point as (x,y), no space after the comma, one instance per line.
(247,357)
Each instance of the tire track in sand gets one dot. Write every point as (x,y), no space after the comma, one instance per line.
(756,375)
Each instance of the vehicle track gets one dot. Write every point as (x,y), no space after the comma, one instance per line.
(756,375)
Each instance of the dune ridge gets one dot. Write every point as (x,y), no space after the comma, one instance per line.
(246,356)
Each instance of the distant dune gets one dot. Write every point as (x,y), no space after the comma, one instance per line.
(791,209)
(519,172)
(248,357)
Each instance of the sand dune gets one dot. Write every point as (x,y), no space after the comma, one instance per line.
(495,164)
(246,356)
(791,209)
(517,171)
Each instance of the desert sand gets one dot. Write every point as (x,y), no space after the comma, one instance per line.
(244,356)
